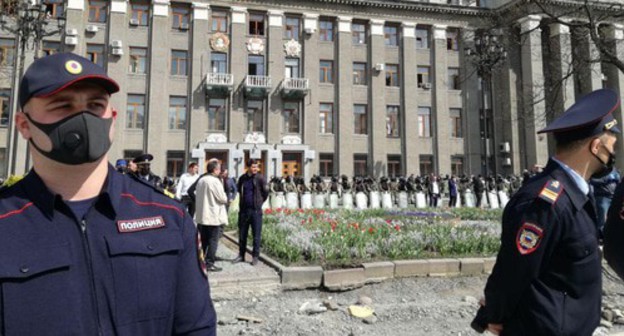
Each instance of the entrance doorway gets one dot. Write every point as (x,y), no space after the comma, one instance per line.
(261,163)
(291,164)
(221,156)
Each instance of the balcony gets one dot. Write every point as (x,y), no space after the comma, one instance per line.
(294,88)
(219,84)
(257,86)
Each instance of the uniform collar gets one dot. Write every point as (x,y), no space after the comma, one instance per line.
(45,200)
(578,179)
(557,172)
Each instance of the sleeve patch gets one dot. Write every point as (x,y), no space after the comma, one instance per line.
(528,238)
(551,191)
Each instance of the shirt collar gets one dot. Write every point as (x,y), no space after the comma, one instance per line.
(576,177)
(45,200)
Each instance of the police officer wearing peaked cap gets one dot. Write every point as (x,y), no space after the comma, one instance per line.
(144,171)
(84,250)
(547,276)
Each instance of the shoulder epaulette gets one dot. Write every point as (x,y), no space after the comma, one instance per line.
(551,191)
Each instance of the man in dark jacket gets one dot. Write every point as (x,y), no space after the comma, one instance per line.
(253,193)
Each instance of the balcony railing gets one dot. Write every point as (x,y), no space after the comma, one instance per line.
(295,88)
(219,79)
(296,84)
(260,82)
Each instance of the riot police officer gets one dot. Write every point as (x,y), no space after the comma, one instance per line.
(547,276)
(85,250)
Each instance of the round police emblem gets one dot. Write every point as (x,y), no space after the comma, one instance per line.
(73,67)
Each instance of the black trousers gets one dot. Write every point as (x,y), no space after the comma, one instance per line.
(189,205)
(452,201)
(247,218)
(210,235)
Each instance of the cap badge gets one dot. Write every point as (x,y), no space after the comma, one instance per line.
(610,124)
(73,67)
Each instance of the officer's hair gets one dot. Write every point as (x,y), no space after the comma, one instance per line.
(565,145)
(212,166)
(192,165)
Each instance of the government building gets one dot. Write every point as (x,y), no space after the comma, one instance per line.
(326,87)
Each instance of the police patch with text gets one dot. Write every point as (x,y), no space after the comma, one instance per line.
(140,224)
(528,238)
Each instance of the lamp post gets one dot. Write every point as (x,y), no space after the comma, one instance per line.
(28,21)
(486,54)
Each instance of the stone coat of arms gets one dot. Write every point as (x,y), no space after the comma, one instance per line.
(220,42)
(292,48)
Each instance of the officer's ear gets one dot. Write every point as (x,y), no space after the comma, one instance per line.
(594,145)
(22,125)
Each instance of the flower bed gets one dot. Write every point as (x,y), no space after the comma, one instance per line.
(340,238)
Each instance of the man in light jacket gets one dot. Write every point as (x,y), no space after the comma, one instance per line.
(211,215)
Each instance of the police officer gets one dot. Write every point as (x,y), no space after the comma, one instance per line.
(144,171)
(85,250)
(547,276)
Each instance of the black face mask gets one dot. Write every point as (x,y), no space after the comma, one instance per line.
(606,167)
(77,139)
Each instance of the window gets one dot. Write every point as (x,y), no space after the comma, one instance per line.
(326,161)
(50,48)
(5,105)
(422,37)
(456,123)
(219,22)
(95,53)
(360,164)
(140,14)
(424,122)
(255,116)
(291,31)
(180,16)
(177,113)
(135,114)
(216,114)
(392,75)
(392,121)
(457,165)
(138,60)
(178,63)
(358,31)
(326,72)
(326,30)
(452,35)
(129,155)
(292,68)
(391,36)
(54,8)
(3,162)
(97,11)
(256,24)
(453,82)
(175,164)
(7,52)
(426,165)
(394,166)
(218,63)
(422,77)
(256,65)
(290,116)
(359,74)
(326,118)
(360,116)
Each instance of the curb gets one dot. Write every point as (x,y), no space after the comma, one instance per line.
(304,277)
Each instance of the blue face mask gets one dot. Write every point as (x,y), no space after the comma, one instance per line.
(77,139)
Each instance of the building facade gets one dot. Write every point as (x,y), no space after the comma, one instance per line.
(315,87)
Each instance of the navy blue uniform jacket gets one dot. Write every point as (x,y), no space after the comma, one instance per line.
(547,278)
(129,268)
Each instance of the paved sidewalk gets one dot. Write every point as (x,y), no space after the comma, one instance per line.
(241,280)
